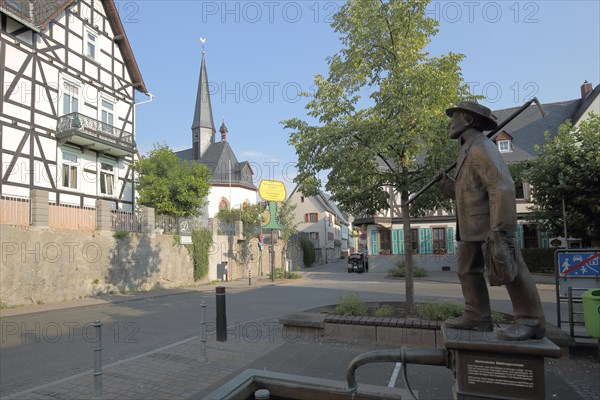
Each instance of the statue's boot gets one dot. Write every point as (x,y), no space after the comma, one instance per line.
(529,314)
(477,315)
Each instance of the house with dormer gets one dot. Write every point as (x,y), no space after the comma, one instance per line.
(231,181)
(67,107)
(435,233)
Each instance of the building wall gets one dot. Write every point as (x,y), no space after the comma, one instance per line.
(44,265)
(236,197)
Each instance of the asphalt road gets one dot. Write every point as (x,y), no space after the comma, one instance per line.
(44,347)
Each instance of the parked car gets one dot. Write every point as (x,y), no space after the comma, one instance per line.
(358,262)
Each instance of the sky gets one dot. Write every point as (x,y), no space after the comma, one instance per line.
(261,54)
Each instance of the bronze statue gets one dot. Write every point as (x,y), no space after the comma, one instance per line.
(485,204)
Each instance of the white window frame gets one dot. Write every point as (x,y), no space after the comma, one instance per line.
(107,115)
(86,45)
(69,161)
(103,173)
(70,92)
(504,146)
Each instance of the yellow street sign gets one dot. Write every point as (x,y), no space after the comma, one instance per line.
(271,190)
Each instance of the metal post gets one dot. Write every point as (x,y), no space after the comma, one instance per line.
(221,315)
(203,331)
(272,258)
(570,302)
(98,360)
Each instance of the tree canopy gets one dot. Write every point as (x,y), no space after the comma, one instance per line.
(394,138)
(383,143)
(169,185)
(567,166)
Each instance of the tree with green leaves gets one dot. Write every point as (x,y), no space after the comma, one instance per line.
(394,139)
(249,214)
(286,218)
(566,167)
(169,185)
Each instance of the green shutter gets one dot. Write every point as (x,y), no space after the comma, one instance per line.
(545,240)
(374,244)
(394,241)
(429,240)
(425,241)
(450,240)
(401,241)
(520,236)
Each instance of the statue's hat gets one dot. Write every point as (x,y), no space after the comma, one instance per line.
(484,113)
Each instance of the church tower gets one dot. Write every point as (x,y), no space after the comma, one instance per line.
(203,127)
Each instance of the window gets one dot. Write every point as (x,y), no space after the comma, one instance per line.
(107,179)
(224,204)
(311,217)
(313,235)
(439,240)
(301,199)
(330,236)
(69,171)
(70,99)
(504,146)
(415,240)
(90,45)
(107,116)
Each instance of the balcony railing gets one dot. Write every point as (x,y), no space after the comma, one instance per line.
(87,131)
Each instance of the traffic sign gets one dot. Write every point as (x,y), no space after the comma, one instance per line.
(262,237)
(583,263)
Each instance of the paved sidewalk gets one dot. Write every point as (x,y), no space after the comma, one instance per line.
(178,371)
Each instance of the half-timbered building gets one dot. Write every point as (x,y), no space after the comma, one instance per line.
(67,106)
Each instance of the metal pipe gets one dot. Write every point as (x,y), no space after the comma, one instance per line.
(403,355)
(98,360)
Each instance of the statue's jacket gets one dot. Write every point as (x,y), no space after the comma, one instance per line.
(483,189)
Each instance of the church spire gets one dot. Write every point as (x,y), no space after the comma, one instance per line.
(203,127)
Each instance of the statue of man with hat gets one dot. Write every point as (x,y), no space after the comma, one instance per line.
(486,207)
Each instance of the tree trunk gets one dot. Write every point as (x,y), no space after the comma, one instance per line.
(408,259)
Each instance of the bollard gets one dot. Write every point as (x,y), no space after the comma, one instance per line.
(98,360)
(203,331)
(221,315)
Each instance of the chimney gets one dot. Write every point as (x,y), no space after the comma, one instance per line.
(586,89)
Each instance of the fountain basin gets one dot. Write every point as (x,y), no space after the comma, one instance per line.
(297,387)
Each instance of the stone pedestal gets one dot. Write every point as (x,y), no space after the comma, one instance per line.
(488,368)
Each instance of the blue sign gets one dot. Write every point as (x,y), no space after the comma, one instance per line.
(584,263)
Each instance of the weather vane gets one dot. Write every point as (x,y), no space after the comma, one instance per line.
(202,40)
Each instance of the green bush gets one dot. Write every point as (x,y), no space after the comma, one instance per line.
(121,234)
(443,311)
(351,305)
(384,311)
(540,261)
(308,251)
(400,271)
(201,241)
(281,274)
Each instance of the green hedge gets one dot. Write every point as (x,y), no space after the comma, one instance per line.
(539,261)
(308,251)
(201,241)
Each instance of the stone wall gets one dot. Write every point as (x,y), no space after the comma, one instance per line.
(39,264)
